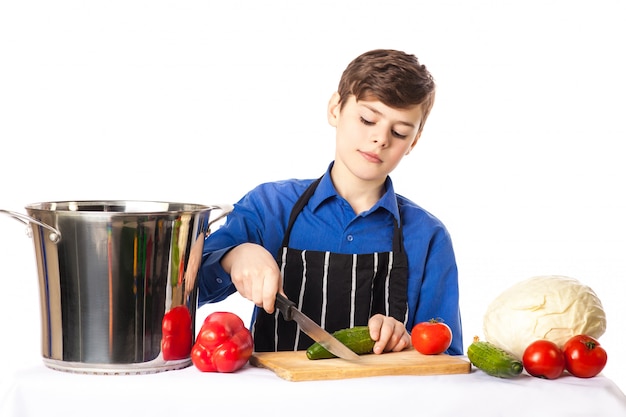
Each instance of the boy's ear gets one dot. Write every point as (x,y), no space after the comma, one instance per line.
(333,109)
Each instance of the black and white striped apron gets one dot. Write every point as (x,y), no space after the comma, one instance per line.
(335,290)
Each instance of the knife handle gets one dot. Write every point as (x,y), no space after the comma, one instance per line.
(285,305)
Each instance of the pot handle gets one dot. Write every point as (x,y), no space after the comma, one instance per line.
(195,254)
(54,236)
(226,209)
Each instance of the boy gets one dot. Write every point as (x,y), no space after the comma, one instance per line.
(345,248)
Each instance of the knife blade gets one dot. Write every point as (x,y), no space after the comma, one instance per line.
(313,330)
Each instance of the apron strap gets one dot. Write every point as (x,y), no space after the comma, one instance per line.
(297,208)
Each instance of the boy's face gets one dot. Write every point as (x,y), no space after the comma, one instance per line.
(372,137)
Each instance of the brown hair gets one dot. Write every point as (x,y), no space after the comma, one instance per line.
(395,78)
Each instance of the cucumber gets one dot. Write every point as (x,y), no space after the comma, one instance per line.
(356,338)
(493,360)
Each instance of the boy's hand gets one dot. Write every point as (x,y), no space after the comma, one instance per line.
(390,335)
(255,274)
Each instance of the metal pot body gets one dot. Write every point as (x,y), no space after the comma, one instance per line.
(108,273)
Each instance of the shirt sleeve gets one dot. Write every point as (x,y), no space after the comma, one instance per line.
(436,294)
(214,284)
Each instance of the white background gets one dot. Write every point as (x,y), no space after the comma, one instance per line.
(522,157)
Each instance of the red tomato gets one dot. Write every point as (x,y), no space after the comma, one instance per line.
(431,337)
(544,359)
(584,357)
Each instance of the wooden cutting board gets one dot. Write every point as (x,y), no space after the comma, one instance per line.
(295,366)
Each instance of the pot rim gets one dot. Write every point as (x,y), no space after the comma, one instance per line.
(118,206)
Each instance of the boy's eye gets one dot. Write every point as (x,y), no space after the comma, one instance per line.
(398,135)
(393,132)
(366,122)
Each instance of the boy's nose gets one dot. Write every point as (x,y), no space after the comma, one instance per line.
(380,138)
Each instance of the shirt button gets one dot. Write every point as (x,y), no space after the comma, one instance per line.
(218,280)
(350,238)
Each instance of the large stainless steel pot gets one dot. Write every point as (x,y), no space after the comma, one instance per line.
(108,272)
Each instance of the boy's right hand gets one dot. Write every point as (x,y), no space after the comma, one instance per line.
(255,273)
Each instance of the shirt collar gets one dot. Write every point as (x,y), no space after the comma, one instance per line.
(326,190)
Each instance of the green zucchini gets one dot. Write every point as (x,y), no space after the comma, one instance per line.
(356,338)
(493,360)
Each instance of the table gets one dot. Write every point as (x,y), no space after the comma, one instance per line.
(39,391)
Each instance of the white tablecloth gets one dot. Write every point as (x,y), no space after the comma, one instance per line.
(39,391)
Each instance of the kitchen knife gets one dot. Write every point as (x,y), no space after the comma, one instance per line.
(313,330)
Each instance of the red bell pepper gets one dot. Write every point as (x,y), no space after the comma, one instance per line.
(177,334)
(224,344)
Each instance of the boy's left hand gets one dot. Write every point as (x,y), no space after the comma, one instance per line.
(390,335)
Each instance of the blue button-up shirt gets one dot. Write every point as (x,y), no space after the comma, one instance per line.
(328,223)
